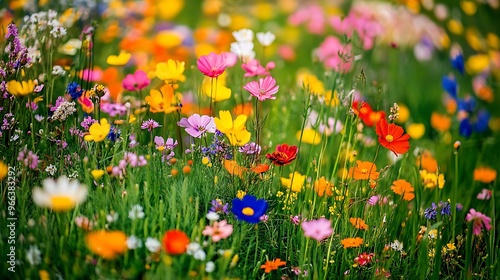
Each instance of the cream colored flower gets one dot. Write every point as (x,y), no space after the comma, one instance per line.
(60,195)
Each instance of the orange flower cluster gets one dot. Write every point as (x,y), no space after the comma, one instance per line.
(364,170)
(272,265)
(485,174)
(323,187)
(403,188)
(358,223)
(351,242)
(107,244)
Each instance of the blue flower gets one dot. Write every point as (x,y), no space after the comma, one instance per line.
(450,86)
(446,208)
(482,120)
(465,128)
(458,62)
(74,90)
(431,213)
(249,209)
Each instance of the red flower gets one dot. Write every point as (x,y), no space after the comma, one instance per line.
(364,259)
(283,155)
(175,242)
(392,137)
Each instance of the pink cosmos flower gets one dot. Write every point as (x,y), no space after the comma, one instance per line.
(253,68)
(219,230)
(212,65)
(335,55)
(150,125)
(136,81)
(312,15)
(197,125)
(479,221)
(485,194)
(318,229)
(91,75)
(263,89)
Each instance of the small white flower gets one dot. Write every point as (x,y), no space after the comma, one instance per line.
(210,267)
(51,169)
(33,255)
(243,35)
(266,39)
(133,242)
(192,248)
(58,70)
(397,246)
(111,217)
(137,212)
(153,244)
(243,50)
(200,255)
(212,216)
(224,20)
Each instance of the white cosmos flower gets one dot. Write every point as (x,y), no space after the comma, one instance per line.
(212,216)
(153,244)
(137,212)
(60,195)
(243,50)
(33,255)
(266,39)
(243,35)
(133,242)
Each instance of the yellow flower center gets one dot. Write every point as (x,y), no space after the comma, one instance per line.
(61,203)
(389,138)
(247,211)
(364,170)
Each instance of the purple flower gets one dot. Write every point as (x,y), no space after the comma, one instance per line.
(219,207)
(318,229)
(373,200)
(162,145)
(250,149)
(29,158)
(431,213)
(150,125)
(197,125)
(87,122)
(295,219)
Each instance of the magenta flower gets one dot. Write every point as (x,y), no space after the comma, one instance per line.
(263,89)
(149,125)
(197,125)
(317,229)
(253,68)
(136,81)
(479,221)
(219,230)
(212,65)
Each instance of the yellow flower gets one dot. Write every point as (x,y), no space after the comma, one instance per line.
(468,7)
(4,169)
(455,27)
(403,114)
(431,180)
(474,39)
(493,41)
(168,9)
(20,89)
(310,136)
(97,173)
(297,184)
(216,89)
(477,63)
(235,130)
(60,195)
(44,274)
(162,101)
(171,71)
(98,131)
(107,244)
(416,130)
(310,82)
(119,60)
(168,39)
(240,194)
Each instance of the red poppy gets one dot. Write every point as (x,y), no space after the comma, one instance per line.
(175,242)
(283,155)
(392,137)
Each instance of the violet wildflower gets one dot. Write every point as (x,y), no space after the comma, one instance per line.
(150,125)
(219,207)
(197,125)
(28,158)
(445,208)
(431,213)
(250,149)
(87,122)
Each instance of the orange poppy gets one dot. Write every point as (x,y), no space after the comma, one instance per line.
(352,242)
(364,170)
(272,265)
(392,137)
(107,244)
(234,168)
(358,223)
(485,174)
(427,162)
(322,187)
(175,242)
(260,168)
(404,188)
(441,123)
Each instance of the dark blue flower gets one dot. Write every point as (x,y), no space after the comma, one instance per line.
(431,213)
(482,120)
(74,90)
(465,128)
(450,86)
(446,208)
(467,104)
(249,209)
(458,62)
(113,134)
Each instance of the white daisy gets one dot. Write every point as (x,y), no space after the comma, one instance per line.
(60,195)
(153,245)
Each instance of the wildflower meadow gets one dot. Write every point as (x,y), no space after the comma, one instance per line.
(225,139)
